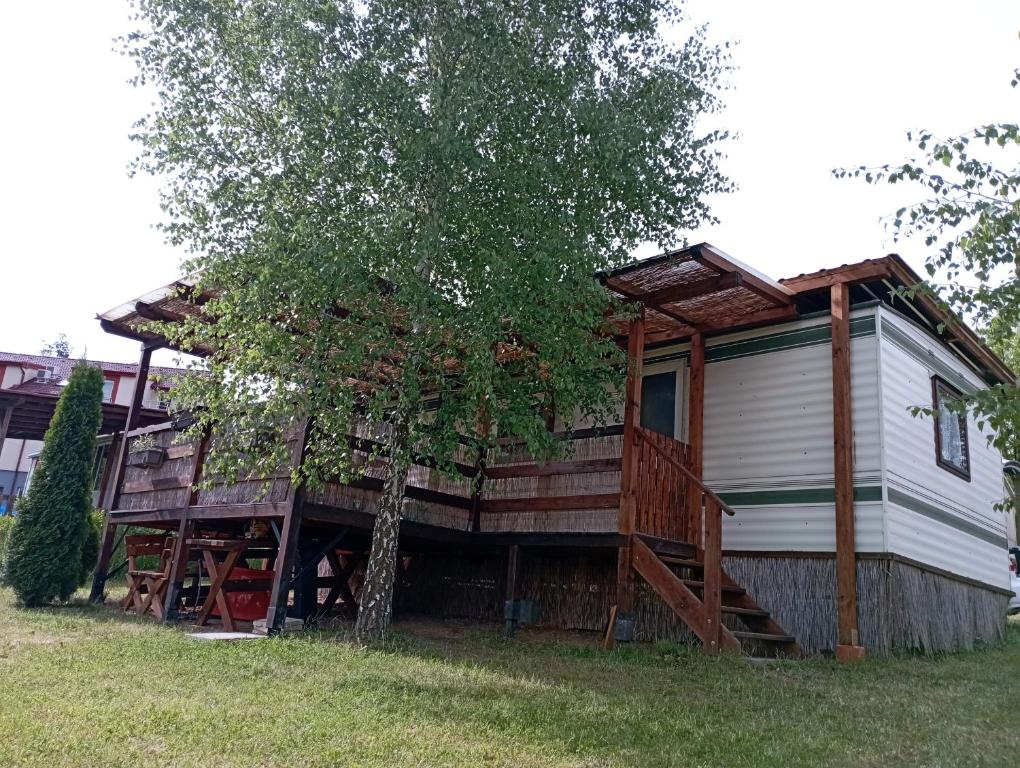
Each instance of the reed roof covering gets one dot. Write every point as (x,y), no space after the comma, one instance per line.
(697,290)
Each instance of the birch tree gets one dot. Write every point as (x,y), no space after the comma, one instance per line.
(397,210)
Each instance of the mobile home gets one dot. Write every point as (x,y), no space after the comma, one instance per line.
(768,487)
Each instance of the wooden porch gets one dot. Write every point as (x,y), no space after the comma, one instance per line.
(624,493)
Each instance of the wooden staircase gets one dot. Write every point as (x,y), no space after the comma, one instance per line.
(664,505)
(674,571)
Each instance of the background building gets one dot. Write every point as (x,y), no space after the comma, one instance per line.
(45,375)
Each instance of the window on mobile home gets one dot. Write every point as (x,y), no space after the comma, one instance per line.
(658,403)
(952,451)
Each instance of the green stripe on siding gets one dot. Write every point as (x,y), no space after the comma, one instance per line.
(777,342)
(816,335)
(862,493)
(946,517)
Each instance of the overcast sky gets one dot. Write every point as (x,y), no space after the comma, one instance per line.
(819,85)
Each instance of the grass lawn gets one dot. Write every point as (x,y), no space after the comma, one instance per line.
(84,686)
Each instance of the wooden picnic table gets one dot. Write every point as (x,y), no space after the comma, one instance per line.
(219,574)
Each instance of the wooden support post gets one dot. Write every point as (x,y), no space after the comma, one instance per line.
(283,569)
(141,379)
(696,436)
(513,569)
(103,561)
(306,581)
(196,468)
(105,483)
(629,464)
(843,447)
(712,597)
(117,475)
(175,581)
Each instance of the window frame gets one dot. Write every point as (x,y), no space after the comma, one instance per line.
(938,387)
(681,367)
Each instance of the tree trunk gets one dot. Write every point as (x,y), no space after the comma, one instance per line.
(376,610)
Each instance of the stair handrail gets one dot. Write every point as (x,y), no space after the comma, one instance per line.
(711,551)
(642,434)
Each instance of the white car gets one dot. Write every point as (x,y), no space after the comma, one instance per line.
(1014,581)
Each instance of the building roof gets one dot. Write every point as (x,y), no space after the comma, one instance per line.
(698,289)
(170,303)
(884,279)
(62,365)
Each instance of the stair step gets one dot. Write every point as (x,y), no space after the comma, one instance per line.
(727,590)
(669,547)
(749,612)
(764,637)
(682,562)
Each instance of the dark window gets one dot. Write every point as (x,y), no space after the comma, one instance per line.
(952,450)
(658,403)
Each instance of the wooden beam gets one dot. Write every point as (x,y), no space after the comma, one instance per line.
(671,314)
(712,257)
(105,486)
(967,338)
(275,509)
(712,591)
(864,272)
(5,424)
(631,421)
(577,467)
(513,569)
(691,290)
(843,453)
(777,314)
(103,561)
(290,530)
(416,493)
(552,503)
(175,580)
(765,317)
(629,469)
(156,313)
(696,433)
(141,379)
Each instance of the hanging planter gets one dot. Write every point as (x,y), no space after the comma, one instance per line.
(145,453)
(183,421)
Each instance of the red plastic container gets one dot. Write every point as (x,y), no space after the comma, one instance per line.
(247,606)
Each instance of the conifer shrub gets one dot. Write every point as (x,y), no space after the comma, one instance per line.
(51,534)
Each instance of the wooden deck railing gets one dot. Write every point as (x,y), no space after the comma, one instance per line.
(673,503)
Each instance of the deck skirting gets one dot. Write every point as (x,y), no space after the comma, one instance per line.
(903,605)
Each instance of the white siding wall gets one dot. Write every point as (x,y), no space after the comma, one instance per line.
(934,516)
(768,434)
